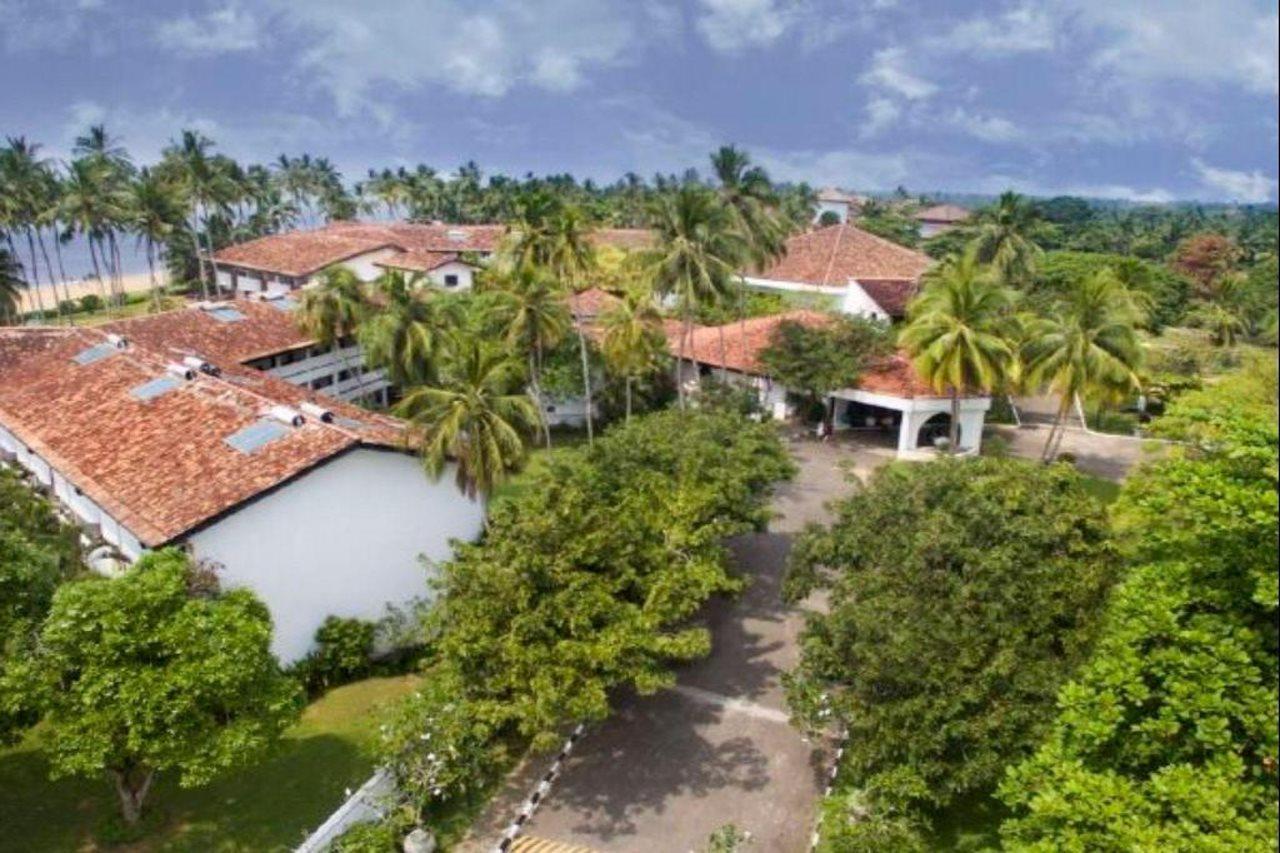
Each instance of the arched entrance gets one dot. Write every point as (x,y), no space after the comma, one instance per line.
(937,426)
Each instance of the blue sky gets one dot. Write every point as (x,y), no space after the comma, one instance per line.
(1128,99)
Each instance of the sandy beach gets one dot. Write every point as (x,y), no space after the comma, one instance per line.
(133,283)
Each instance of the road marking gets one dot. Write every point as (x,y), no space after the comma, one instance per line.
(728,703)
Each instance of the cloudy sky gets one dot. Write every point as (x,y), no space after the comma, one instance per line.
(1146,100)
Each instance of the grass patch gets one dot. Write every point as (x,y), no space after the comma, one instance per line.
(268,806)
(1102,489)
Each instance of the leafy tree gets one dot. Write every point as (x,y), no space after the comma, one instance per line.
(816,359)
(1167,740)
(585,582)
(156,672)
(1059,273)
(333,309)
(892,225)
(958,332)
(1205,258)
(37,553)
(475,416)
(1088,347)
(945,643)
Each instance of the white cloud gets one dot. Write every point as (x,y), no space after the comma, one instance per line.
(1022,29)
(229,29)
(730,26)
(888,71)
(988,128)
(1229,42)
(357,51)
(1232,185)
(882,113)
(846,167)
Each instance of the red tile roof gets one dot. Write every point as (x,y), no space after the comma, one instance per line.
(894,376)
(302,253)
(162,467)
(589,304)
(943,213)
(890,294)
(831,256)
(266,330)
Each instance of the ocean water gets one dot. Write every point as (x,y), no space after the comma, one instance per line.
(76,260)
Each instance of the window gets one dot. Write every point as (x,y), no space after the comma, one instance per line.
(344,375)
(451,280)
(321,382)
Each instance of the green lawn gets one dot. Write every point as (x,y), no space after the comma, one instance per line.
(1104,490)
(268,806)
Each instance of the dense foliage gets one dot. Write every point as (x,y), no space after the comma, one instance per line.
(1165,293)
(963,594)
(1167,740)
(816,360)
(585,582)
(37,553)
(156,671)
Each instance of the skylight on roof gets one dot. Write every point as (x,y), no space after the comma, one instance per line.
(255,436)
(284,303)
(349,423)
(93,353)
(150,390)
(226,315)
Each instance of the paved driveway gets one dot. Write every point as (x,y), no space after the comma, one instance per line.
(666,771)
(1109,456)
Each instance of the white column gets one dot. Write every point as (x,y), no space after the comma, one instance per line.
(907,430)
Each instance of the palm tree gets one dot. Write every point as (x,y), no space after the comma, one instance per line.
(475,417)
(333,308)
(956,333)
(200,178)
(11,285)
(1005,238)
(633,338)
(536,317)
(571,258)
(115,172)
(406,333)
(1089,347)
(699,251)
(23,184)
(155,213)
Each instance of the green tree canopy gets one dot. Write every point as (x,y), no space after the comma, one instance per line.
(963,594)
(585,582)
(156,671)
(816,360)
(1167,740)
(1165,292)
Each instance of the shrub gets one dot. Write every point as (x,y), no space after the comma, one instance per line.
(90,302)
(343,653)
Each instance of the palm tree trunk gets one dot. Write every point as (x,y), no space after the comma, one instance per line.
(724,359)
(954,435)
(97,271)
(1058,428)
(586,381)
(195,239)
(48,269)
(151,271)
(686,329)
(536,385)
(628,383)
(35,274)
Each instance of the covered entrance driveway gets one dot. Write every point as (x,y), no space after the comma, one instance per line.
(915,421)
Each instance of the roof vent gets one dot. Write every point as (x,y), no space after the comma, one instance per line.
(318,412)
(286,415)
(457,235)
(182,371)
(195,362)
(117,341)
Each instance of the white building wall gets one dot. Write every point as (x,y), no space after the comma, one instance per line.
(342,540)
(856,302)
(839,208)
(464,272)
(366,266)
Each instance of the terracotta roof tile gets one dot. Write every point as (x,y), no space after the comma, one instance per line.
(894,376)
(831,256)
(161,467)
(267,329)
(302,253)
(417,261)
(890,294)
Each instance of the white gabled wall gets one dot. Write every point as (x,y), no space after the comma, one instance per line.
(343,539)
(857,302)
(464,272)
